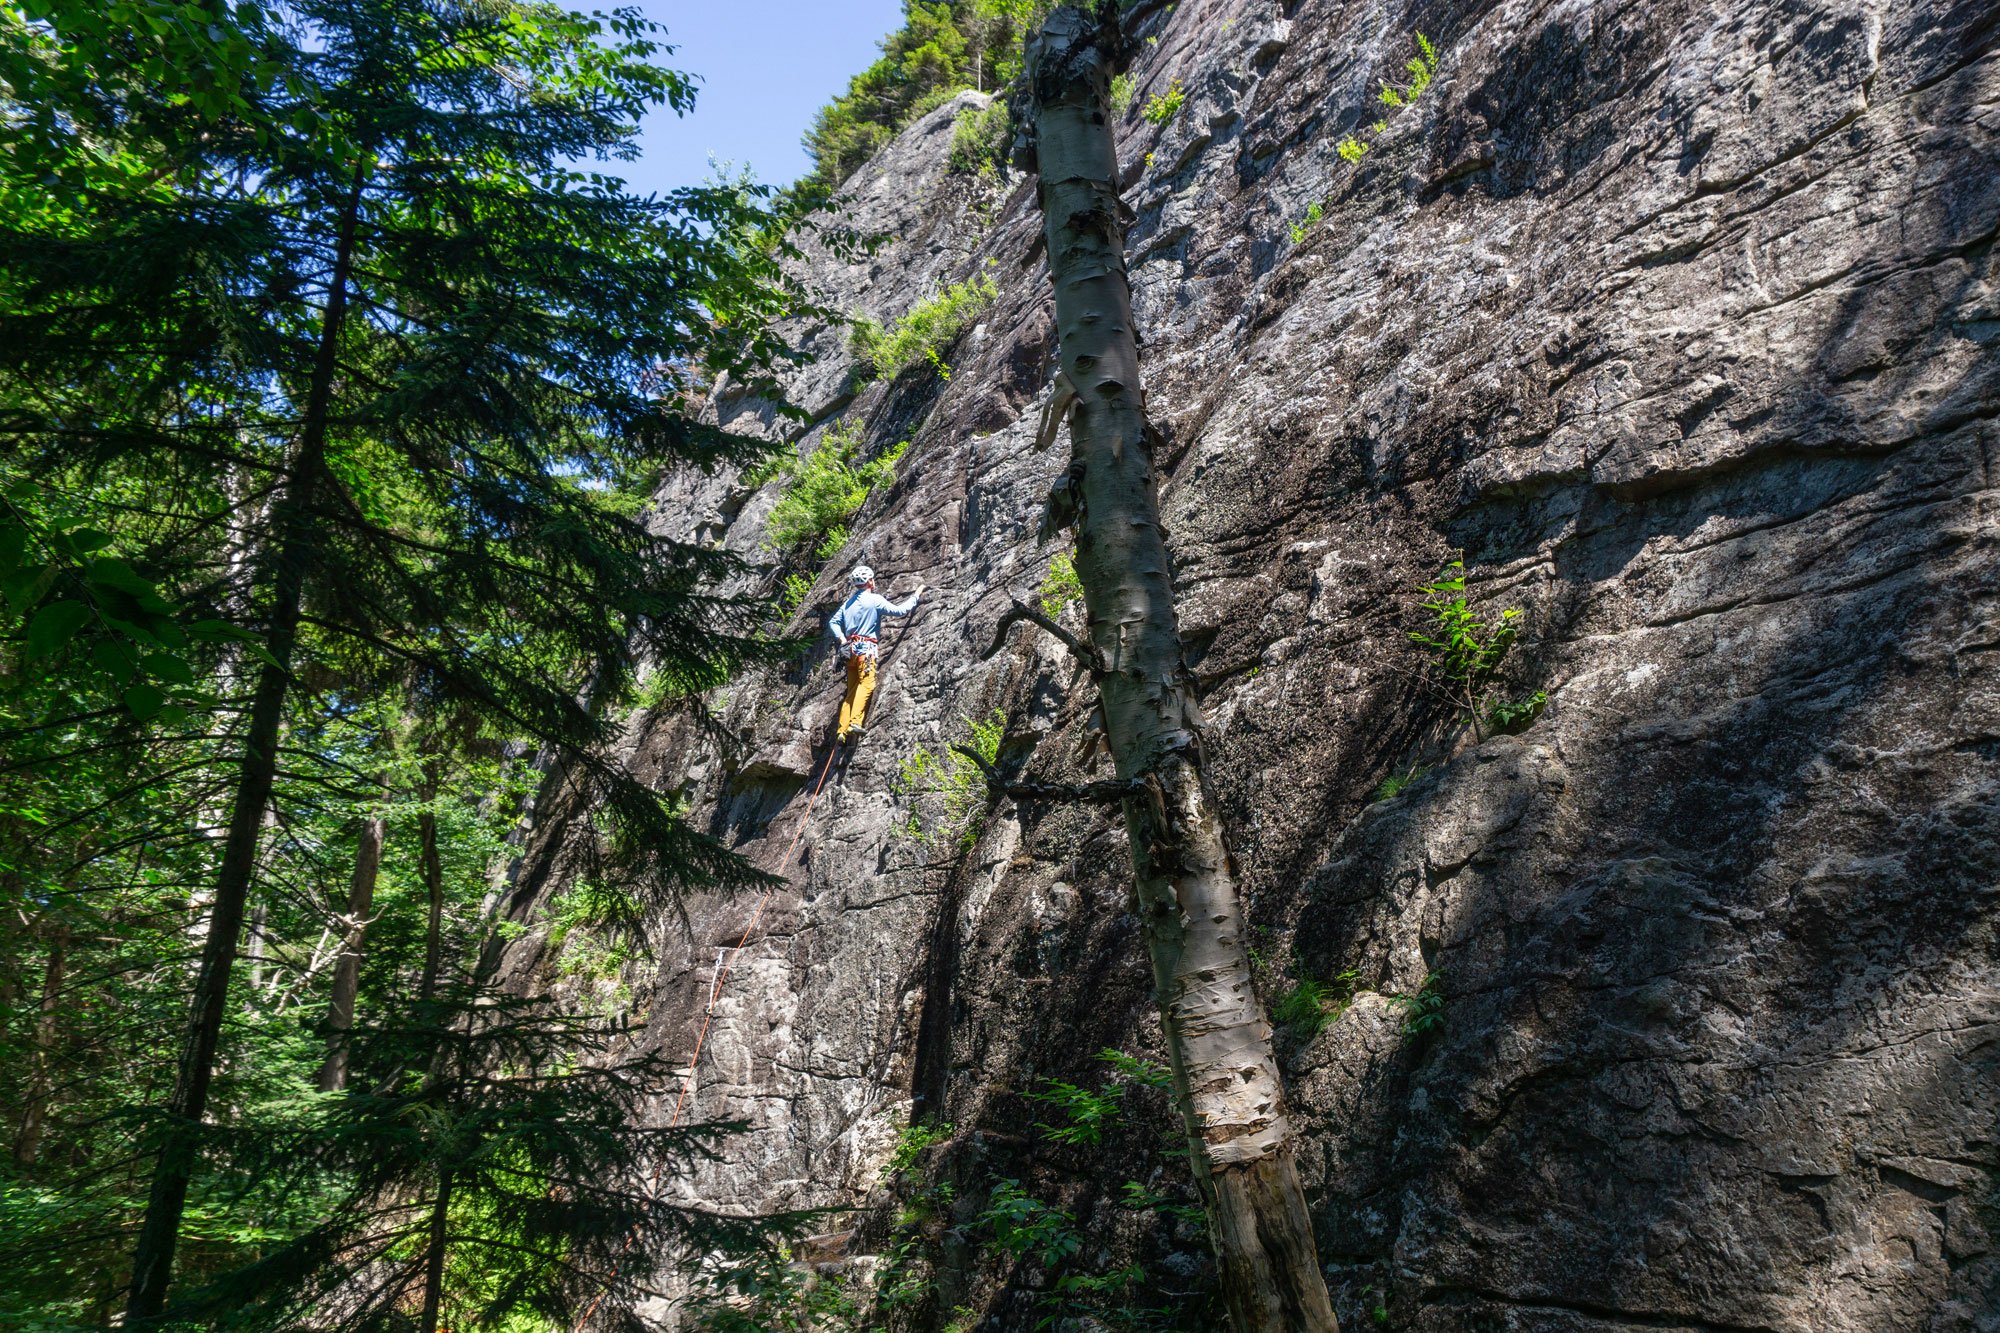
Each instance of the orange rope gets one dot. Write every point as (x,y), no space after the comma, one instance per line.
(701,1039)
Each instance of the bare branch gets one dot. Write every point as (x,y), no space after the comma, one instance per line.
(1115,790)
(1084,652)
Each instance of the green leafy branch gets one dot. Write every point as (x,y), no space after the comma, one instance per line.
(1467,652)
(948,790)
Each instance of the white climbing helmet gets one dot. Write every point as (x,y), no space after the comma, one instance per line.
(862,576)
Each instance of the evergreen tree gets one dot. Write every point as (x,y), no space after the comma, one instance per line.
(326,375)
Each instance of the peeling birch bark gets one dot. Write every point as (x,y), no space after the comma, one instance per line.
(1225,1075)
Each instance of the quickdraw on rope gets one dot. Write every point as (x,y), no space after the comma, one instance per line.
(724,964)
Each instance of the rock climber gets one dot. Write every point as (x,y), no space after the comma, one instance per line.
(855,626)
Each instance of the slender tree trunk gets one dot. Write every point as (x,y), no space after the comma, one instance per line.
(1225,1075)
(36,1103)
(434,1255)
(292,552)
(347,970)
(254,945)
(433,871)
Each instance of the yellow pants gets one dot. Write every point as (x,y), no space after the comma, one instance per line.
(860,684)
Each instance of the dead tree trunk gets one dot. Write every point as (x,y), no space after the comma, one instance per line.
(347,970)
(1225,1076)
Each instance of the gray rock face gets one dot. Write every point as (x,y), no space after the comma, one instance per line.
(1680,321)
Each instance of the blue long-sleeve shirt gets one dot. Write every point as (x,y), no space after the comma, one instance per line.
(860,617)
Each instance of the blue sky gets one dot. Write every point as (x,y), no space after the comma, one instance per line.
(765,67)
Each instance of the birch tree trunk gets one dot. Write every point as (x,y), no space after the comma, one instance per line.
(1225,1076)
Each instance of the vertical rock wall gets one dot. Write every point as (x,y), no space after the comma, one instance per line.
(1680,322)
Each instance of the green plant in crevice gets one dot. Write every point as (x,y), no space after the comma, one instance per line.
(947,791)
(1060,586)
(1311,1004)
(1137,1198)
(923,334)
(1163,107)
(793,595)
(825,489)
(1421,67)
(1423,1012)
(1466,652)
(1353,146)
(1305,224)
(1512,716)
(1122,90)
(1394,784)
(911,1143)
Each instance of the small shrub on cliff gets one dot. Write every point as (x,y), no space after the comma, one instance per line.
(911,1143)
(1305,224)
(932,325)
(1122,90)
(1424,1011)
(1061,586)
(1466,652)
(1311,1004)
(825,489)
(1422,68)
(947,791)
(979,140)
(1394,784)
(1163,107)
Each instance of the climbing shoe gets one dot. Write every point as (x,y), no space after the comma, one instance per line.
(853,734)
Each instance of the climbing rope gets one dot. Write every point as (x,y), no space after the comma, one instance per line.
(708,1016)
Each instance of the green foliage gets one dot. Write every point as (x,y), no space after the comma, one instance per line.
(946,791)
(1394,784)
(1424,1011)
(1132,1069)
(1311,1004)
(825,489)
(1139,1199)
(1023,1225)
(943,48)
(770,1292)
(1122,91)
(922,335)
(1305,224)
(1163,107)
(979,140)
(1505,716)
(1466,652)
(793,595)
(912,1141)
(1085,1114)
(334,380)
(1352,147)
(1060,586)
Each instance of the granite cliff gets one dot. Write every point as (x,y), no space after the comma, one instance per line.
(1679,322)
